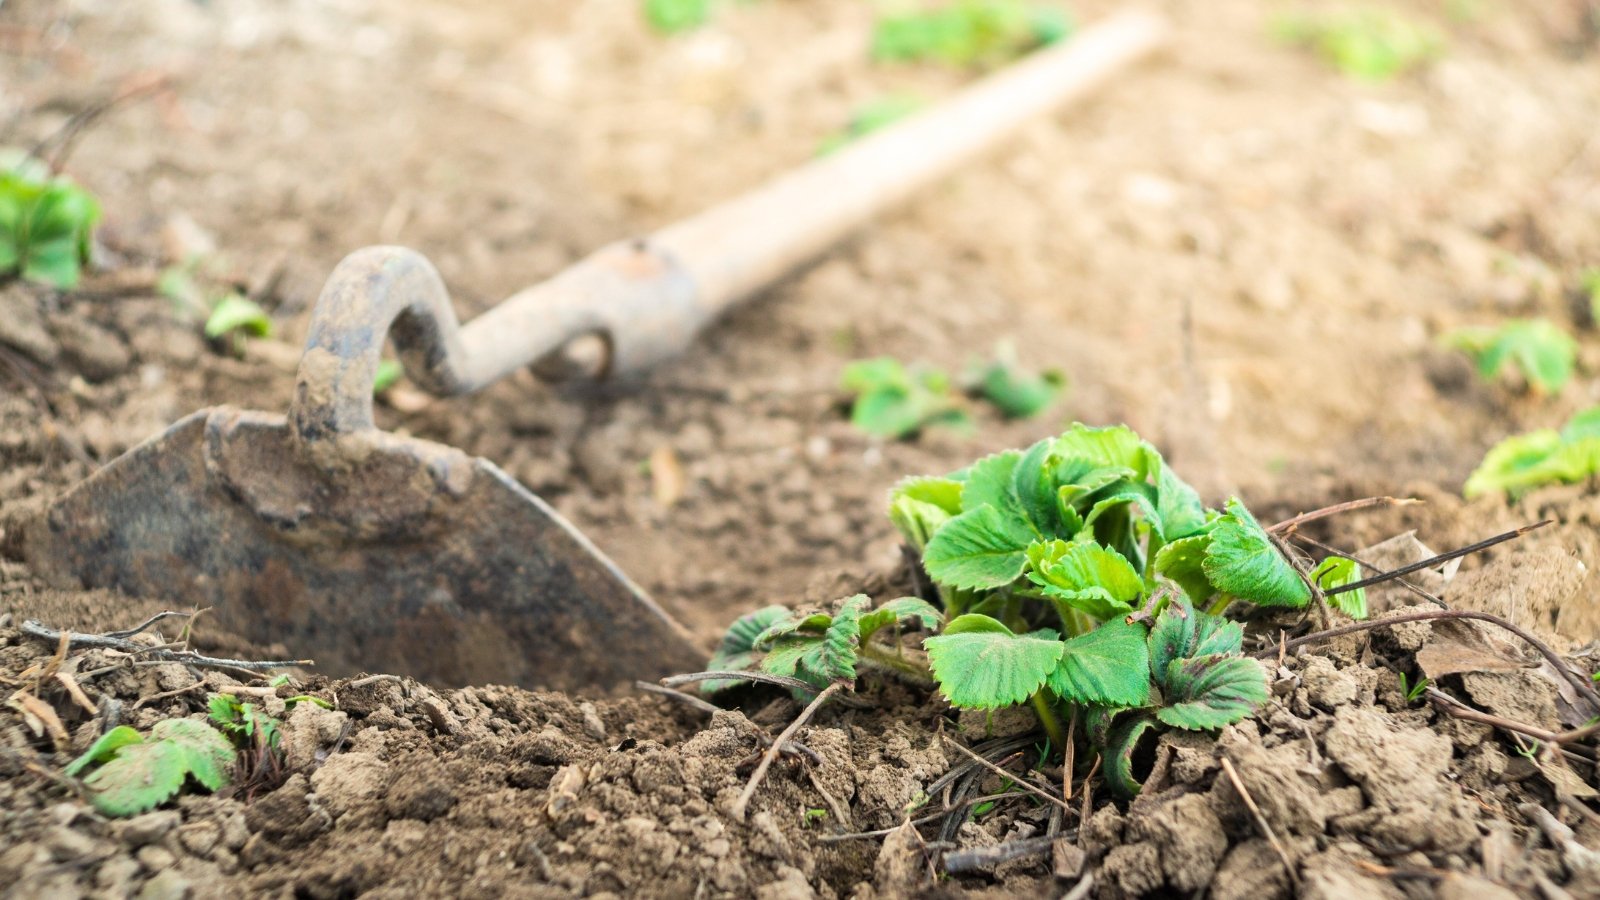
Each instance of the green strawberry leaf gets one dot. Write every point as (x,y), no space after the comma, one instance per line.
(236,313)
(990,481)
(1178,507)
(944,493)
(1522,462)
(1242,562)
(737,651)
(836,658)
(1207,692)
(104,748)
(981,548)
(798,656)
(816,623)
(981,664)
(140,778)
(915,609)
(1336,571)
(1113,447)
(1181,631)
(1538,348)
(1584,423)
(1018,394)
(1183,563)
(1035,491)
(1110,666)
(1085,576)
(205,752)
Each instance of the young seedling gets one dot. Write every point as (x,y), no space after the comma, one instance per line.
(1538,349)
(1048,563)
(255,733)
(676,16)
(234,317)
(46,223)
(1412,692)
(969,33)
(1523,462)
(1589,283)
(1370,45)
(1015,392)
(132,775)
(892,401)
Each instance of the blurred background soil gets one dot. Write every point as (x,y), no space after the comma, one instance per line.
(1244,255)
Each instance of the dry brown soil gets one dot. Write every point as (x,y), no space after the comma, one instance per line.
(1235,250)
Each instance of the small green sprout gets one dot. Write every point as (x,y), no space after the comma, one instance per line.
(1017,393)
(812,817)
(969,33)
(873,116)
(674,16)
(1537,348)
(1048,564)
(893,401)
(1545,456)
(46,223)
(388,375)
(1368,44)
(234,317)
(132,774)
(1413,692)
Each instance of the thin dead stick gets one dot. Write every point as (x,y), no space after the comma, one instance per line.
(1014,779)
(1435,560)
(1577,681)
(1261,821)
(767,758)
(977,858)
(1376,570)
(712,709)
(1291,524)
(43,632)
(1462,711)
(1081,889)
(1070,758)
(146,624)
(1088,793)
(763,677)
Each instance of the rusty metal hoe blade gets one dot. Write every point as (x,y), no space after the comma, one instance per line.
(365,550)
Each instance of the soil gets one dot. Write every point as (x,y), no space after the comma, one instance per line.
(1236,251)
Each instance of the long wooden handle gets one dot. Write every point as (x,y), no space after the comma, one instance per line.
(739,247)
(649,297)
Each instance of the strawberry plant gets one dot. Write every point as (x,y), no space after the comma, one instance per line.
(1537,348)
(1523,462)
(132,775)
(46,224)
(1048,563)
(894,401)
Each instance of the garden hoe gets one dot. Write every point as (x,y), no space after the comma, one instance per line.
(371,551)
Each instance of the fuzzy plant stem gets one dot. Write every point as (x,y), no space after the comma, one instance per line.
(1220,606)
(1049,719)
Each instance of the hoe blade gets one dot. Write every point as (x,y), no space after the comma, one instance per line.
(419,560)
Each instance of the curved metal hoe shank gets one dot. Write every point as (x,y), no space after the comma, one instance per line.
(371,551)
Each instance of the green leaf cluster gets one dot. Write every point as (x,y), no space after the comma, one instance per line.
(969,33)
(46,224)
(895,401)
(819,648)
(132,775)
(1093,522)
(1537,348)
(1366,44)
(247,724)
(1523,462)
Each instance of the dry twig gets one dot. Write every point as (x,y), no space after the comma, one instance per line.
(1018,780)
(1261,822)
(41,631)
(1290,524)
(768,757)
